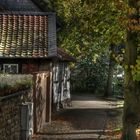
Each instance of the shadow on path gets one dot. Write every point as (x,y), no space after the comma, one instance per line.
(86,113)
(88,117)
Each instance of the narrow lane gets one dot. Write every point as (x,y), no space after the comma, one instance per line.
(88,117)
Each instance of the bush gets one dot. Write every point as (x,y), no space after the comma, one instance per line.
(90,76)
(13,83)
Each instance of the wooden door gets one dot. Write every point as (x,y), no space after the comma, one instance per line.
(42,100)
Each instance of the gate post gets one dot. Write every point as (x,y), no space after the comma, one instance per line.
(34,104)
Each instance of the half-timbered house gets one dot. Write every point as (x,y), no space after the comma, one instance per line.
(28,45)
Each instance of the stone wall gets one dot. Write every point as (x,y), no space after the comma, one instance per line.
(10,108)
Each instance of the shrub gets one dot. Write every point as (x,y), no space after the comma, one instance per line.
(90,76)
(13,83)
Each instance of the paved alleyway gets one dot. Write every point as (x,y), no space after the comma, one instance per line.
(88,118)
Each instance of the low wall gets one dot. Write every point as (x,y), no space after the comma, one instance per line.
(10,117)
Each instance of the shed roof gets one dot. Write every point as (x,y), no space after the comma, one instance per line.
(28,33)
(64,56)
(23,34)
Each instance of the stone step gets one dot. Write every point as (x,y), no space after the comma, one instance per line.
(76,136)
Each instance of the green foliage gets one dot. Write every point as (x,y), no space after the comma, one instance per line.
(89,75)
(88,27)
(135,70)
(84,24)
(10,84)
(4,86)
(118,81)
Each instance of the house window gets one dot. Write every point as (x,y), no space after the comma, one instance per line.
(10,68)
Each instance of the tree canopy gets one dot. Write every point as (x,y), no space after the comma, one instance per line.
(87,27)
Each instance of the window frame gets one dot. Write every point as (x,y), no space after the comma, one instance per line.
(17,68)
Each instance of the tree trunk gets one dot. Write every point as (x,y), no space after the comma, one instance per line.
(131,114)
(108,90)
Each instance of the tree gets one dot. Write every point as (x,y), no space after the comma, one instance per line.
(94,75)
(116,57)
(85,22)
(131,114)
(108,89)
(110,16)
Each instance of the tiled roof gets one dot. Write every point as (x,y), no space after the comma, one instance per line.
(19,5)
(23,35)
(64,56)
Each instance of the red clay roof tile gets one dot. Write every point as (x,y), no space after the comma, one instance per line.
(23,35)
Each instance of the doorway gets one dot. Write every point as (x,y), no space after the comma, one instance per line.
(42,100)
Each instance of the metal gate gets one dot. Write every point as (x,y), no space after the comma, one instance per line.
(42,100)
(26,120)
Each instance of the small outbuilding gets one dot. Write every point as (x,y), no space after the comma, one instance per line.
(28,45)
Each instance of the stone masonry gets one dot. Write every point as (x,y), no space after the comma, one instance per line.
(10,107)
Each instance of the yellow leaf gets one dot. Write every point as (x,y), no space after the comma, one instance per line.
(126,67)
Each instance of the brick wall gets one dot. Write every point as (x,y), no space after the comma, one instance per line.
(10,114)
